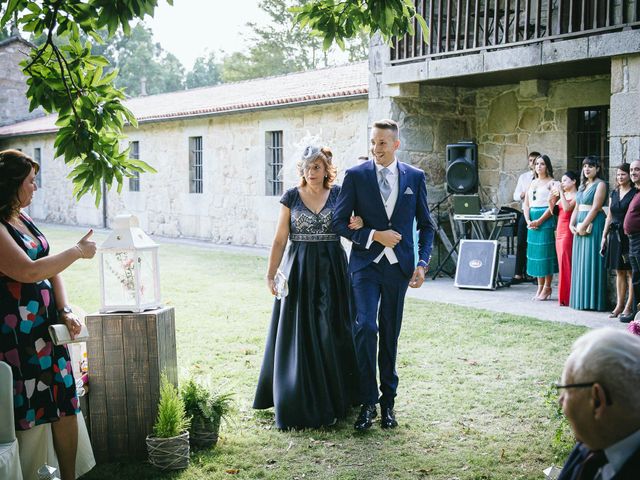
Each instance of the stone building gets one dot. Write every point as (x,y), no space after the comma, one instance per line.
(223,154)
(559,77)
(14,106)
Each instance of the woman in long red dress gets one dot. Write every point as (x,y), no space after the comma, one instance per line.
(562,202)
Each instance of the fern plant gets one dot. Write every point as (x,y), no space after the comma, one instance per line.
(203,405)
(172,418)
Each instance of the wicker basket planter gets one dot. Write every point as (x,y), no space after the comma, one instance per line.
(204,433)
(169,453)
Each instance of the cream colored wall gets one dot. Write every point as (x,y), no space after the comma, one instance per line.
(233,208)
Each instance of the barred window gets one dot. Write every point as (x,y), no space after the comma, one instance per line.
(274,163)
(37,157)
(195,164)
(134,153)
(589,127)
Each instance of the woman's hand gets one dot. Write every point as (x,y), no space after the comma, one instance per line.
(271,284)
(581,229)
(573,230)
(86,246)
(72,322)
(534,224)
(355,223)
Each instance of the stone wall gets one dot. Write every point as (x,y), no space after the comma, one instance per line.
(513,120)
(233,207)
(624,140)
(14,106)
(507,122)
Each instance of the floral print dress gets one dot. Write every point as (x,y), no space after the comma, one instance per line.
(43,385)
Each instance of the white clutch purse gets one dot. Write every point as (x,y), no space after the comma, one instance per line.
(60,334)
(282,286)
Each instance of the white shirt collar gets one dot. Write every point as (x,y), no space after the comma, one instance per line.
(618,453)
(393,167)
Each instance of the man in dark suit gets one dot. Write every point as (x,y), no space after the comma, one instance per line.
(600,395)
(388,195)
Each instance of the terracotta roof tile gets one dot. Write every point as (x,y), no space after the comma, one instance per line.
(311,86)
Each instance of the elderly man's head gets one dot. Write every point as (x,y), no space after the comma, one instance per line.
(600,391)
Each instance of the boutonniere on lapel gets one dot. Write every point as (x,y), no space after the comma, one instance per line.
(408,191)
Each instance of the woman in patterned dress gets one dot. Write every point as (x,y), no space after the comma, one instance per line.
(309,369)
(32,297)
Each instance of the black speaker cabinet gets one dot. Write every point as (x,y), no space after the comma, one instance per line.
(477,264)
(462,167)
(507,267)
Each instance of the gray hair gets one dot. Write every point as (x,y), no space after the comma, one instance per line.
(612,358)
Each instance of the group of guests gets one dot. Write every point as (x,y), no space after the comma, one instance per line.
(564,230)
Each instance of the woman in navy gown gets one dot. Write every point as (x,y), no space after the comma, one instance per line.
(309,368)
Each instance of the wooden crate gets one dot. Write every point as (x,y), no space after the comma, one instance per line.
(127,352)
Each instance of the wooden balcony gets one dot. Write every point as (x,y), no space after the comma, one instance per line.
(458,27)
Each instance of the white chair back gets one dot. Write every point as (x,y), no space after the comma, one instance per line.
(7,425)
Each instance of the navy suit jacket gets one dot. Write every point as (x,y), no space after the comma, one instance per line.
(629,471)
(360,194)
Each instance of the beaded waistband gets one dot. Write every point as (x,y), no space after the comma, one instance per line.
(314,237)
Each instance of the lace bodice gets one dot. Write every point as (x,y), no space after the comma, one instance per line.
(306,225)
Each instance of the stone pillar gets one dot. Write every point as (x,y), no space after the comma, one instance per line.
(624,128)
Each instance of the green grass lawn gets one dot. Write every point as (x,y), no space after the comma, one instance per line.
(473,400)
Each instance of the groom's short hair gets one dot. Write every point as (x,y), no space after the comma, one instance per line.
(388,124)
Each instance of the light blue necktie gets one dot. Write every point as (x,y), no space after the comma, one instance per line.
(385,186)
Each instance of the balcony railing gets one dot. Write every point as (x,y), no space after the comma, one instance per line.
(462,26)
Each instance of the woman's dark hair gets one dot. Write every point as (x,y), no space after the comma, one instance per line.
(15,166)
(625,168)
(593,161)
(571,174)
(547,162)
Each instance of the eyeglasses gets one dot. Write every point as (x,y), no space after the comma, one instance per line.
(584,385)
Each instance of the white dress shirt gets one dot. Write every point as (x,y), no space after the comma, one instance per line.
(389,205)
(522,186)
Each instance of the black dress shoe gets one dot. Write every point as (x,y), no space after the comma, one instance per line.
(365,418)
(625,318)
(387,418)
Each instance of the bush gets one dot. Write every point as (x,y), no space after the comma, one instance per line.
(172,418)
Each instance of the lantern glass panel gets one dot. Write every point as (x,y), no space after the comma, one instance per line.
(120,277)
(147,277)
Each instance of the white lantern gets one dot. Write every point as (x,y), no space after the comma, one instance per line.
(129,275)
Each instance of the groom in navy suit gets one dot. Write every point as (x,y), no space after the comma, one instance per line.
(388,195)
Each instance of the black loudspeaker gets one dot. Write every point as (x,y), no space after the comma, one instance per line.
(477,264)
(507,267)
(462,167)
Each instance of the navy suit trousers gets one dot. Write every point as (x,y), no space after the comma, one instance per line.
(382,285)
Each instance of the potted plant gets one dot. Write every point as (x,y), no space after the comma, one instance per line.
(168,447)
(207,410)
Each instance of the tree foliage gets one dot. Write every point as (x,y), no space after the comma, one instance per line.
(206,71)
(65,77)
(340,20)
(283,47)
(139,58)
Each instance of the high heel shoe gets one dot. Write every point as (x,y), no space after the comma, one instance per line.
(546,293)
(537,295)
(616,313)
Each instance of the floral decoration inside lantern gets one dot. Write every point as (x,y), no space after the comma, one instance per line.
(129,276)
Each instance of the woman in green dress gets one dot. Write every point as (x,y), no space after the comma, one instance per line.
(588,270)
(542,261)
